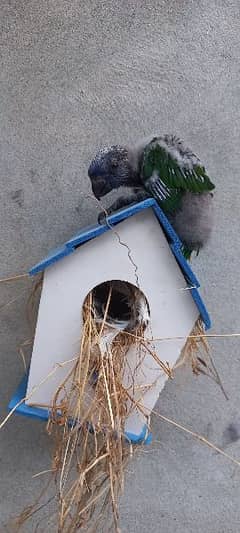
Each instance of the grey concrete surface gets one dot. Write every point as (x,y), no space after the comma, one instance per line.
(75,75)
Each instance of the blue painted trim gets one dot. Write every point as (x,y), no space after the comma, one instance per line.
(202,308)
(176,245)
(43,414)
(53,257)
(166,225)
(144,437)
(23,409)
(115,218)
(88,234)
(95,231)
(185,267)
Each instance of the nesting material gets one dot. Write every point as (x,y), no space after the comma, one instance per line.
(93,444)
(197,352)
(90,408)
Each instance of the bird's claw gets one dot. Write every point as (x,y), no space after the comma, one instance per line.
(102,218)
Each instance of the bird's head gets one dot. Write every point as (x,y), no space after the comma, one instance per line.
(110,169)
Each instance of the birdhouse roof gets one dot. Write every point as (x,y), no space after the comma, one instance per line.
(95,231)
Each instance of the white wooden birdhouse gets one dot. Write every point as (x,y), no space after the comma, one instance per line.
(139,247)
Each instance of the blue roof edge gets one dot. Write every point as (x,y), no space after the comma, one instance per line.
(88,234)
(91,232)
(18,404)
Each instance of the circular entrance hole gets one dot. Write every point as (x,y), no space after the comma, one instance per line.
(124,303)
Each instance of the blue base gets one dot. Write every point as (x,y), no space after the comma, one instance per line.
(43,414)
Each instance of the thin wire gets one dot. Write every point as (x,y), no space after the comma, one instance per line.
(122,243)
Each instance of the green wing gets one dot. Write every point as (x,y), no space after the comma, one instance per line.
(169,169)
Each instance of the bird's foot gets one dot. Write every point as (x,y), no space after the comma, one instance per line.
(102,218)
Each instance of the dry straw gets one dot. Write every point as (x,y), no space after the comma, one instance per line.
(87,421)
(88,415)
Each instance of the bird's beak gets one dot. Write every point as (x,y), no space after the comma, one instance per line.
(95,191)
(100,187)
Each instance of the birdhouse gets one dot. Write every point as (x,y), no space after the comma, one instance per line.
(139,249)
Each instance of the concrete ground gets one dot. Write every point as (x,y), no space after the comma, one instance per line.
(76,75)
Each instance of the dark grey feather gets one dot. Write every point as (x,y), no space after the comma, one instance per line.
(193,222)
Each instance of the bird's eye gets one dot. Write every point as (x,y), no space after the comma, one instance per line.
(114,163)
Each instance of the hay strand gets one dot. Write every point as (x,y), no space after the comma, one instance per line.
(15,277)
(197,436)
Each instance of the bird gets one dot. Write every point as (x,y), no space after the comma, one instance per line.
(164,168)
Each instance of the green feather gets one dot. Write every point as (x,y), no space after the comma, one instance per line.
(157,160)
(168,171)
(173,202)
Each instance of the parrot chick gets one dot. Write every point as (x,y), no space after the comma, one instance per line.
(165,169)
